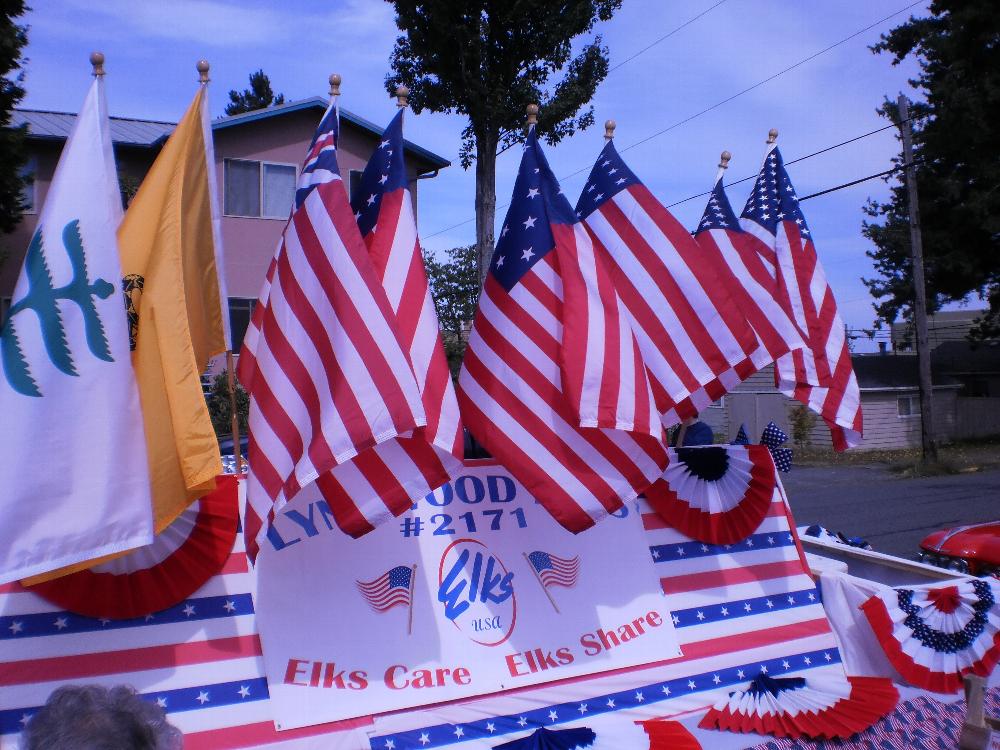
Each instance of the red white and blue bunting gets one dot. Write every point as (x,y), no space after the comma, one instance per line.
(817,708)
(715,494)
(153,578)
(934,636)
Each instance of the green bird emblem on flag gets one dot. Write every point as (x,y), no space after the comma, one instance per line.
(42,298)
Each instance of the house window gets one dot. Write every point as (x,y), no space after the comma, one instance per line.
(718,403)
(259,189)
(28,191)
(240,310)
(908,406)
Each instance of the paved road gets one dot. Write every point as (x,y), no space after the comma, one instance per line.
(892,514)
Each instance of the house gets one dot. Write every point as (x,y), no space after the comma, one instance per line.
(257,155)
(951,325)
(966,387)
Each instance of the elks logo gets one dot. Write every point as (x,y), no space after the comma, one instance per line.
(477,591)
(42,298)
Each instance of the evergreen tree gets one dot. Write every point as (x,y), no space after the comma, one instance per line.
(258,96)
(13,37)
(489,59)
(956,132)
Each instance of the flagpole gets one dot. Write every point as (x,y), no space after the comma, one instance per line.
(234,425)
(413,580)
(539,579)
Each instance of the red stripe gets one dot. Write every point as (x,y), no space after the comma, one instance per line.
(679,584)
(263,732)
(379,241)
(236,563)
(653,522)
(129,660)
(345,512)
(773,341)
(693,257)
(411,302)
(643,313)
(384,380)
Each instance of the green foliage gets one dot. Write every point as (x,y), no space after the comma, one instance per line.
(258,96)
(219,406)
(802,420)
(454,286)
(13,37)
(955,134)
(489,59)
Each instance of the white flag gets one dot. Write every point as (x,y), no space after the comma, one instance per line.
(74,479)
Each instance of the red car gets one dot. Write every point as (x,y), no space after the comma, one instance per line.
(971,549)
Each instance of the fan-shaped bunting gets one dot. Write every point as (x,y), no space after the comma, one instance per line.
(934,636)
(817,708)
(715,494)
(181,558)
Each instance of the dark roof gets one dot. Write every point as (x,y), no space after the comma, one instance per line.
(320,104)
(879,372)
(56,126)
(127,131)
(963,357)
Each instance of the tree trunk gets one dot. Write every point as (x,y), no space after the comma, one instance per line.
(486,200)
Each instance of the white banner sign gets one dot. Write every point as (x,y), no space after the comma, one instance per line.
(475,590)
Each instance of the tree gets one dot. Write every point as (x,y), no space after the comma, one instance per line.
(258,96)
(454,287)
(220,408)
(955,133)
(13,37)
(489,59)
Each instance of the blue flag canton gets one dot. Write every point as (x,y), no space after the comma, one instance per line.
(399,577)
(320,165)
(773,198)
(537,202)
(384,173)
(609,177)
(719,212)
(540,560)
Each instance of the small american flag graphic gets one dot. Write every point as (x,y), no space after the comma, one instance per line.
(392,588)
(553,570)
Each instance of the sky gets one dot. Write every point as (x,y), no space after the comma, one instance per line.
(657,92)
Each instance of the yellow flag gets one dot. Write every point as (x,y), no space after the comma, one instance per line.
(171,259)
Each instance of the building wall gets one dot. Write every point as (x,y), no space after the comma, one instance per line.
(977,417)
(133,163)
(250,242)
(884,429)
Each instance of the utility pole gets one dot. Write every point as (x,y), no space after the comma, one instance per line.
(919,289)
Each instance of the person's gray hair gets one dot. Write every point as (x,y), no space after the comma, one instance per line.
(93,717)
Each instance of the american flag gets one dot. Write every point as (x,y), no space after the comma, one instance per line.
(200,660)
(554,570)
(390,589)
(747,268)
(820,375)
(408,466)
(695,341)
(737,609)
(553,383)
(325,367)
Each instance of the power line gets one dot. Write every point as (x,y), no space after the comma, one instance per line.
(718,104)
(631,57)
(666,36)
(797,159)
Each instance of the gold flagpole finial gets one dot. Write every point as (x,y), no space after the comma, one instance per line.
(335,80)
(724,160)
(772,135)
(609,129)
(532,110)
(97,62)
(202,67)
(402,93)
